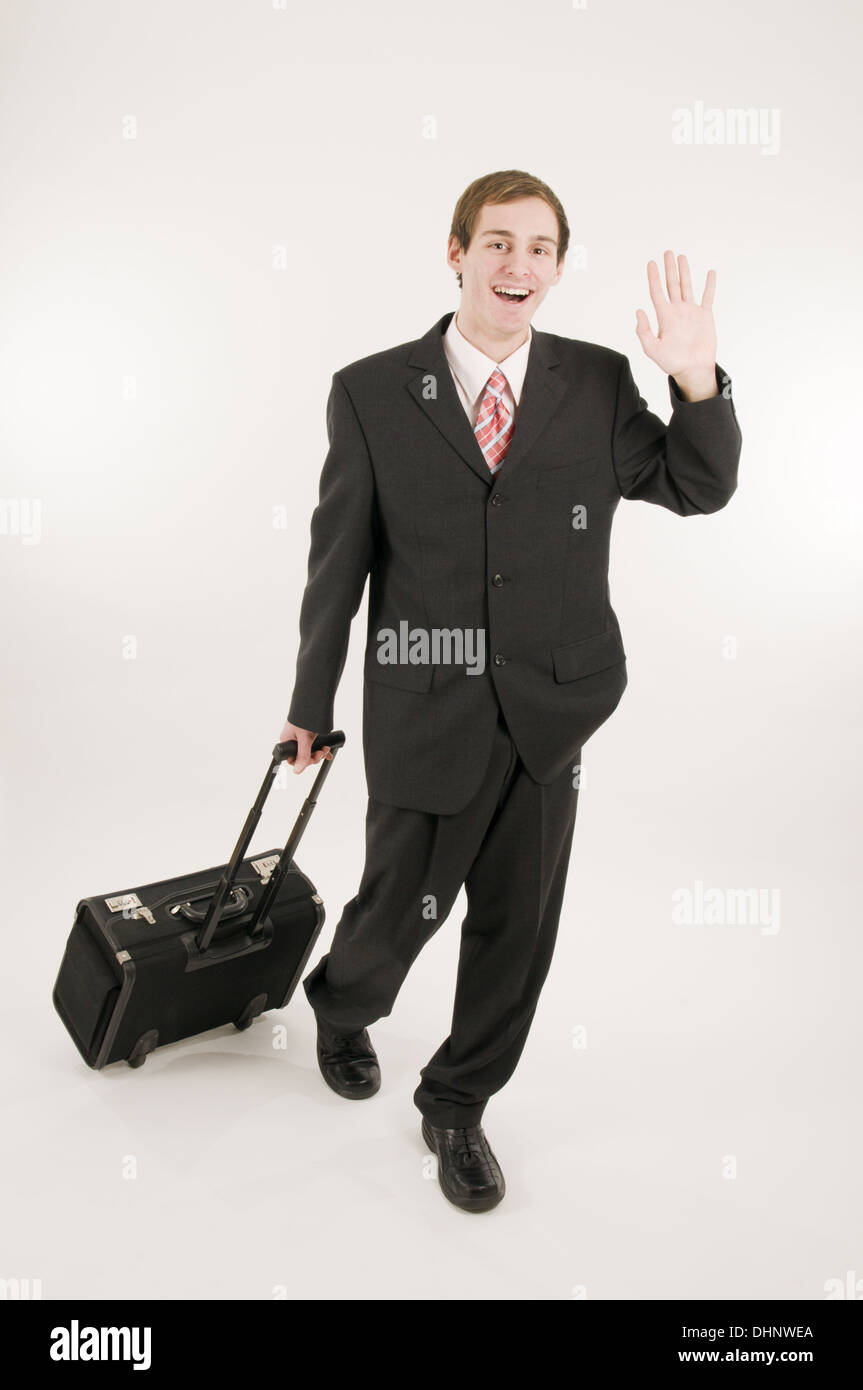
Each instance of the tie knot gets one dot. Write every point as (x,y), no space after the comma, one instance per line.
(496,383)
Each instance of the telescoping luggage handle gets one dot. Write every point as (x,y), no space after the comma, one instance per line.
(333,740)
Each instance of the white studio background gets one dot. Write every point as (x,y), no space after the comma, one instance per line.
(210,208)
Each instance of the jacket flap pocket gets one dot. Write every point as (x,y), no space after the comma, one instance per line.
(588,656)
(398,675)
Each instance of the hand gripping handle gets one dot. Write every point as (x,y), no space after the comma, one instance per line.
(333,740)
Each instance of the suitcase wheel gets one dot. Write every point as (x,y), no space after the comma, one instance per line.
(250,1012)
(147,1043)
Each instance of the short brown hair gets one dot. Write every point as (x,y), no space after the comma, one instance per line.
(504,187)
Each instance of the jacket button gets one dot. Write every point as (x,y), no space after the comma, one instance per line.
(497,581)
(496,500)
(499,660)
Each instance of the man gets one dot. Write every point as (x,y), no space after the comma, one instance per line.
(474,474)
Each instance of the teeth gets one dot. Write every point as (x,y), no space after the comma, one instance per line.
(511,289)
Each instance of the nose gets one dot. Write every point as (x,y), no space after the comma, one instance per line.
(518,268)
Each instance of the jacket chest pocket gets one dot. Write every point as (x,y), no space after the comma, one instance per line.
(571,470)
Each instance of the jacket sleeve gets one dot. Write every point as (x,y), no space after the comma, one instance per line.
(688,466)
(341,553)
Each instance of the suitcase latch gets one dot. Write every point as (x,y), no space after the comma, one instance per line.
(266,866)
(145,913)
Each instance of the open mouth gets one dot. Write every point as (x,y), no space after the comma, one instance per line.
(510,294)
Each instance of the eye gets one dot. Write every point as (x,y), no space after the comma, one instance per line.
(492,244)
(542,249)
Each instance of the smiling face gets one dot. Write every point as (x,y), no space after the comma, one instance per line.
(507,270)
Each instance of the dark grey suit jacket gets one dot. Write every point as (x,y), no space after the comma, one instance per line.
(407,497)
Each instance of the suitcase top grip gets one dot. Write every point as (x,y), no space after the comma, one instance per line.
(334,739)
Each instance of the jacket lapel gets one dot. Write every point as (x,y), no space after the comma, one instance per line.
(435,392)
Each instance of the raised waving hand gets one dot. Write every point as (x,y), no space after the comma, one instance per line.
(684,345)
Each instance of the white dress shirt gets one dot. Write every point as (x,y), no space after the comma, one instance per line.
(471,370)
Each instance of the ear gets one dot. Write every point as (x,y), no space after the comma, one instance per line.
(559,270)
(454,253)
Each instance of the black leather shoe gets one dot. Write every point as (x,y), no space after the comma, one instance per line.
(349,1063)
(467,1170)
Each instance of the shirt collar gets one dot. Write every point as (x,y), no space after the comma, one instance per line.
(473,368)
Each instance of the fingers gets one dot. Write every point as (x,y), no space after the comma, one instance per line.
(672,279)
(678,280)
(303,754)
(305,757)
(642,325)
(655,284)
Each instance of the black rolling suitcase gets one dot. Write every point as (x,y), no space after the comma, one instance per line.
(154,964)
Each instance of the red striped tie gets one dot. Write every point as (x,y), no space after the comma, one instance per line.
(494,424)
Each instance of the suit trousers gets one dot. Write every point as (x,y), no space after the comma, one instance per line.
(509,847)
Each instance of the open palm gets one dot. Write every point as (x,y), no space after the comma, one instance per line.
(686,341)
